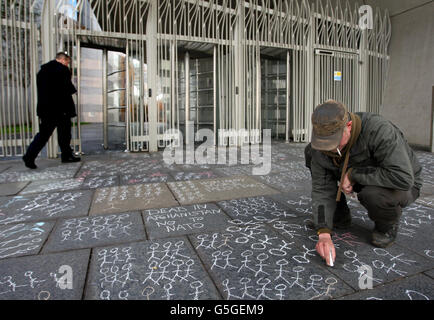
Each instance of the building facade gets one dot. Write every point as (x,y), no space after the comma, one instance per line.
(226,65)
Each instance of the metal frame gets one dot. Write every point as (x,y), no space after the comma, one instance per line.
(231,31)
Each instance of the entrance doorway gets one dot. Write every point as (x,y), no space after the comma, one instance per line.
(275,92)
(102,100)
(196,84)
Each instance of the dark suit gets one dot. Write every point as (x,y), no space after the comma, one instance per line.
(55,108)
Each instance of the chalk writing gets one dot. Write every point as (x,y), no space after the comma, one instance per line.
(111,226)
(255,264)
(133,197)
(184,176)
(52,173)
(22,239)
(255,207)
(149,270)
(45,186)
(145,178)
(100,182)
(44,206)
(217,189)
(284,179)
(183,220)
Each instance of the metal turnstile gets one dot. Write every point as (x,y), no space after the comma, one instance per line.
(114,100)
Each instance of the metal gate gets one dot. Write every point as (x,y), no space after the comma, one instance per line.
(337,77)
(232,32)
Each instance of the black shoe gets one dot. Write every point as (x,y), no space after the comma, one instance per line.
(384,235)
(70,158)
(342,216)
(29,163)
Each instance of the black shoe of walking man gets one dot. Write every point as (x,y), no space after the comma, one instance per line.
(70,158)
(29,163)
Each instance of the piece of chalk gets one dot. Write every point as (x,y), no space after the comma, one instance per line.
(331,259)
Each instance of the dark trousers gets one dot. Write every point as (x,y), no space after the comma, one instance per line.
(46,128)
(384,205)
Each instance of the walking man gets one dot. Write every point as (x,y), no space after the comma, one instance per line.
(55,109)
(368,155)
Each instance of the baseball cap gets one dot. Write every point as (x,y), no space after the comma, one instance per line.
(328,120)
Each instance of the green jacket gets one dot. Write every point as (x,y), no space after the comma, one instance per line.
(380,157)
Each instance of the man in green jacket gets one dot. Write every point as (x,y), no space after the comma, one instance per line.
(362,153)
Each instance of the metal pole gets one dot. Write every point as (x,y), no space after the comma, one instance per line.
(187,95)
(214,92)
(151,49)
(79,95)
(288,90)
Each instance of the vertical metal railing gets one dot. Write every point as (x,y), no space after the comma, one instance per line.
(16,99)
(233,32)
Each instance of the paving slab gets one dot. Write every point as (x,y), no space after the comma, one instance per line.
(43,278)
(52,185)
(88,232)
(300,203)
(131,198)
(121,167)
(416,230)
(427,190)
(194,175)
(44,206)
(260,208)
(430,273)
(301,232)
(426,200)
(62,171)
(23,239)
(146,177)
(387,264)
(284,157)
(235,170)
(287,150)
(100,182)
(353,249)
(283,164)
(251,262)
(426,160)
(418,287)
(9,189)
(211,190)
(183,220)
(287,180)
(4,168)
(166,269)
(197,167)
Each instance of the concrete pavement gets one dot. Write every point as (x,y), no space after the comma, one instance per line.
(128,226)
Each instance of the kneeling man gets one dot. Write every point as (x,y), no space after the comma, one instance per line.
(362,153)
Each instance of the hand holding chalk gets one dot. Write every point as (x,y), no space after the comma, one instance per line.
(326,249)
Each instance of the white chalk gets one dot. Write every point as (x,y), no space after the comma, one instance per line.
(331,258)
